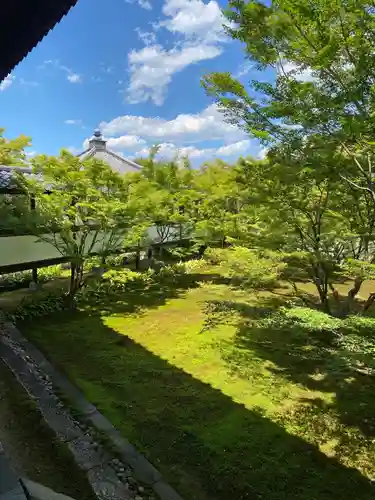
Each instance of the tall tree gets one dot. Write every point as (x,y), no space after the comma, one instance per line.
(316,118)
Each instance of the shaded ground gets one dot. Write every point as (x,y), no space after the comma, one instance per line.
(227,396)
(29,445)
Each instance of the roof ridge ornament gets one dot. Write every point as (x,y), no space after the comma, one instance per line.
(97,141)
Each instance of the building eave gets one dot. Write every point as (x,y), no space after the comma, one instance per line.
(24,25)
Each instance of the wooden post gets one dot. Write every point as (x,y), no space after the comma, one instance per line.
(138,257)
(34,271)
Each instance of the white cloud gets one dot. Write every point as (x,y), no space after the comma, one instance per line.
(236,148)
(244,69)
(122,143)
(152,69)
(30,154)
(125,142)
(145,4)
(7,82)
(147,37)
(71,76)
(73,122)
(74,150)
(169,150)
(29,83)
(74,78)
(209,124)
(199,27)
(194,19)
(292,69)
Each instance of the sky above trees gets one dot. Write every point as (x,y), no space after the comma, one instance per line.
(132,68)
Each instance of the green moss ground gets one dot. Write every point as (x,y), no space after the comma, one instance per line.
(227,396)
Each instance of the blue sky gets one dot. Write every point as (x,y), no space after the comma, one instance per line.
(133,69)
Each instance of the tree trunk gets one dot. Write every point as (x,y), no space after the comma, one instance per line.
(369,302)
(137,260)
(356,287)
(72,278)
(348,304)
(323,295)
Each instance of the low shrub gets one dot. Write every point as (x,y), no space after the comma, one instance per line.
(192,266)
(250,268)
(15,280)
(312,319)
(215,256)
(172,271)
(114,281)
(40,304)
(49,273)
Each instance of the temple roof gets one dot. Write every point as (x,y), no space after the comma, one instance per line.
(24,25)
(8,182)
(97,149)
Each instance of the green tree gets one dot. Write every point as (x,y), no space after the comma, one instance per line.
(12,150)
(12,206)
(317,119)
(323,58)
(82,207)
(168,187)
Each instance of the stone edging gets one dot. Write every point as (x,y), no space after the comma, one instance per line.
(10,486)
(12,343)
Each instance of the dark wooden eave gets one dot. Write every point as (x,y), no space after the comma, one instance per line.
(23,24)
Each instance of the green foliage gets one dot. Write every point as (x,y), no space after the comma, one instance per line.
(23,278)
(214,256)
(260,369)
(250,268)
(114,281)
(12,150)
(15,280)
(88,208)
(49,272)
(195,265)
(15,210)
(118,279)
(357,268)
(39,304)
(311,319)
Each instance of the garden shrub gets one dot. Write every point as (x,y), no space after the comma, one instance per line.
(114,281)
(19,279)
(37,305)
(312,319)
(194,265)
(172,271)
(215,256)
(249,268)
(48,273)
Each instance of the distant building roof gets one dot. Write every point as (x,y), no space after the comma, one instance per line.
(8,183)
(98,149)
(24,24)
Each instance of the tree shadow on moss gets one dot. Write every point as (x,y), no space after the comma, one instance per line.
(208,446)
(317,356)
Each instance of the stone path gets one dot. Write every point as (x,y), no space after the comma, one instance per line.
(127,476)
(30,448)
(10,486)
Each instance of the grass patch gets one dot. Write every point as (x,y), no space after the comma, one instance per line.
(229,394)
(31,446)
